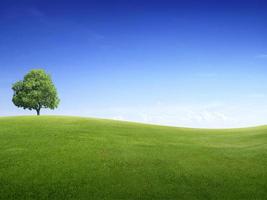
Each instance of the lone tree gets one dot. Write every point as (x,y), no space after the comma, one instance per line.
(35,92)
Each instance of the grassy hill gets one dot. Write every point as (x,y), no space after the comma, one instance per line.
(79,158)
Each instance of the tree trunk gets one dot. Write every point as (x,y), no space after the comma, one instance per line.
(38,111)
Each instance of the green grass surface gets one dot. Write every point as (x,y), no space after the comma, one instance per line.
(79,158)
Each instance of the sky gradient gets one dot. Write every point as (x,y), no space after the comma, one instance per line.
(181,63)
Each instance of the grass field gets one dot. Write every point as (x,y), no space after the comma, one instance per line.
(79,158)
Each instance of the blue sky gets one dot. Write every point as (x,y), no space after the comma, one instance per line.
(181,63)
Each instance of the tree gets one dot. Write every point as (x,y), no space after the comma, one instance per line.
(35,92)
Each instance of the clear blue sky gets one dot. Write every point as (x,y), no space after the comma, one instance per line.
(183,63)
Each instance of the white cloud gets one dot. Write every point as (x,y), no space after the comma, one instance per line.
(198,115)
(213,115)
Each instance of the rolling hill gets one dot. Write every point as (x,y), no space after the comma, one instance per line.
(81,158)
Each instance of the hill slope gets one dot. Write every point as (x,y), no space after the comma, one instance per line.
(79,158)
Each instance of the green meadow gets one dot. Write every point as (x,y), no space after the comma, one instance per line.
(82,158)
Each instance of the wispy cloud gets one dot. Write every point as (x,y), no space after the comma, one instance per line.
(35,12)
(257,95)
(23,11)
(206,74)
(212,115)
(262,55)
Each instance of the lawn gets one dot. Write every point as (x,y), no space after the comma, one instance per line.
(82,158)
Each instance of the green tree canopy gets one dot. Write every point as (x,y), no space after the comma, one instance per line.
(35,92)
